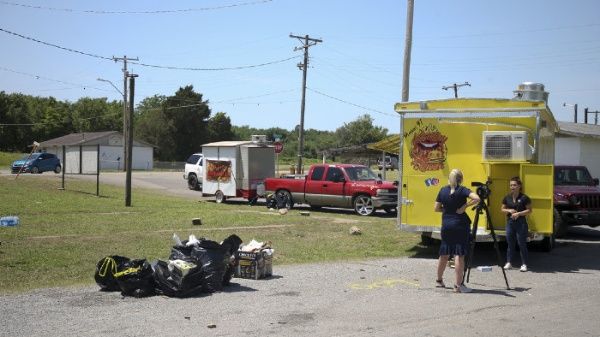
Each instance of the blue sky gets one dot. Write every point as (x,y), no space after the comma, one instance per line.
(356,70)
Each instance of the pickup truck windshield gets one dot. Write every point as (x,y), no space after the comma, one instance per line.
(361,174)
(572,176)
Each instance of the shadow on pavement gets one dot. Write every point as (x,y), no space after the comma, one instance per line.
(576,252)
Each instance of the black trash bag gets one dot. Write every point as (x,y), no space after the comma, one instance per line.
(106,269)
(282,200)
(212,257)
(182,253)
(136,279)
(271,201)
(231,245)
(174,284)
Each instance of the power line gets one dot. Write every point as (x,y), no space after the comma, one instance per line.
(55,45)
(168,11)
(50,79)
(216,69)
(350,103)
(145,64)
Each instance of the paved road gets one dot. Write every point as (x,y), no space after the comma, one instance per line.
(390,297)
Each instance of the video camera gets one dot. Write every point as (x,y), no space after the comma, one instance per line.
(483,189)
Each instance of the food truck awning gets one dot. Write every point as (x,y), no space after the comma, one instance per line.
(390,144)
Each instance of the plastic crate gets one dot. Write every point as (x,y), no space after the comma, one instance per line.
(254,265)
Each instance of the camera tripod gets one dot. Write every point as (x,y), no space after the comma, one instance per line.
(479,209)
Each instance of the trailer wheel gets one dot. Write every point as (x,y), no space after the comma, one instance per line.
(426,239)
(548,243)
(220,197)
(363,205)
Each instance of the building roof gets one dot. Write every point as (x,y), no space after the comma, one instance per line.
(83,138)
(578,130)
(76,138)
(229,143)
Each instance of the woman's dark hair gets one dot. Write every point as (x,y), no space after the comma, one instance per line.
(517,180)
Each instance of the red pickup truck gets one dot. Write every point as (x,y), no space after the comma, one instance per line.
(339,185)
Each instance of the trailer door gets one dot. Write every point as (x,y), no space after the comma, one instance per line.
(538,184)
(420,193)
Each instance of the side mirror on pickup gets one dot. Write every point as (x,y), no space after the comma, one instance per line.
(596,181)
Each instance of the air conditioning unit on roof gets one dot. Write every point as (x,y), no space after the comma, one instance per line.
(258,139)
(506,146)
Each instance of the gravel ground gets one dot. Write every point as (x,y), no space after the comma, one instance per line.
(389,297)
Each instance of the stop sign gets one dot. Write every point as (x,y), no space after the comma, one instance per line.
(278,147)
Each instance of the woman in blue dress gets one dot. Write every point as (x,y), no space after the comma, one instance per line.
(452,201)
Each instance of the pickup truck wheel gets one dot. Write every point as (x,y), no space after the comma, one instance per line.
(560,228)
(35,170)
(57,169)
(285,195)
(363,205)
(220,197)
(193,182)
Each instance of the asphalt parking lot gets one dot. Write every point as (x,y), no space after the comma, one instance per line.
(388,297)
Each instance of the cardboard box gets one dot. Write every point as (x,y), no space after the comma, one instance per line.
(254,265)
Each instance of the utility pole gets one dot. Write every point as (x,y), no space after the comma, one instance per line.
(407,50)
(410,6)
(125,105)
(129,140)
(306,43)
(456,86)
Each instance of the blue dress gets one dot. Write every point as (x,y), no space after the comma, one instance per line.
(455,227)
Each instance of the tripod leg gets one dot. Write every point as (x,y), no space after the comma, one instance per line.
(497,247)
(469,259)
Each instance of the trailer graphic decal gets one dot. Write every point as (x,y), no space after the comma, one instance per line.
(218,170)
(429,151)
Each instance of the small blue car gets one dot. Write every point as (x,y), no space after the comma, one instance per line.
(37,163)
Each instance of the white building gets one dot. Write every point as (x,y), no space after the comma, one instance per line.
(578,144)
(84,150)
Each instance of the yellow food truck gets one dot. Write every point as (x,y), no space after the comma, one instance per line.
(490,140)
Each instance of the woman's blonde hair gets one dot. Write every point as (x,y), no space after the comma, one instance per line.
(455,178)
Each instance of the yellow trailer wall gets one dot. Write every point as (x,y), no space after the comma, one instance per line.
(434,146)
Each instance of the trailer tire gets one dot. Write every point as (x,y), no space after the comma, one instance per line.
(193,182)
(220,197)
(548,243)
(426,239)
(363,205)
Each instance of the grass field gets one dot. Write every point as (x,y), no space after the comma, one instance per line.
(63,233)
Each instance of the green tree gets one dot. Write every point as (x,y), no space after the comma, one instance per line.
(360,131)
(151,125)
(188,114)
(96,114)
(219,127)
(14,110)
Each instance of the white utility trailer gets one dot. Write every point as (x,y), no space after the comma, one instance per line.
(237,168)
